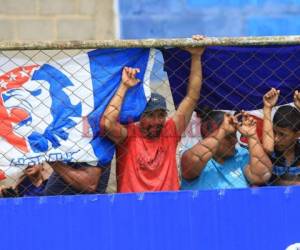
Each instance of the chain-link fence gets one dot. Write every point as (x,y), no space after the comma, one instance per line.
(66,107)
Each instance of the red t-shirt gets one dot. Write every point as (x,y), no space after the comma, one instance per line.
(148,165)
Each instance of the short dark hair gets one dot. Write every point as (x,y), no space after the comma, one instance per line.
(210,120)
(287,117)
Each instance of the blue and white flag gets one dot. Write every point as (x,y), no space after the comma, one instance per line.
(50,109)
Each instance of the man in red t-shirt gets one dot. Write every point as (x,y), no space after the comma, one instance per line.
(146,151)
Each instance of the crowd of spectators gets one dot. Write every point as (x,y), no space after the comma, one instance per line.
(146,150)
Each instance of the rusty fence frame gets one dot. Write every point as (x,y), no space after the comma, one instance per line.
(150,43)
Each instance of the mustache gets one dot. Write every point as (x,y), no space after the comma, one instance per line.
(158,127)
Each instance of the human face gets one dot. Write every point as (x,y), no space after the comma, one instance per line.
(226,147)
(284,138)
(151,123)
(33,170)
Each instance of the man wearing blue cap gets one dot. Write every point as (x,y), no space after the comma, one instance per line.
(146,151)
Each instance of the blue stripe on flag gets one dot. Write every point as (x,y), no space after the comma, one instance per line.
(106,69)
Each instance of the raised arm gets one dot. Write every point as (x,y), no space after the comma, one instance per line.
(109,123)
(259,169)
(195,159)
(185,109)
(270,99)
(297,99)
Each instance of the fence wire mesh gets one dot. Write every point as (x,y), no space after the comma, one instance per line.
(50,117)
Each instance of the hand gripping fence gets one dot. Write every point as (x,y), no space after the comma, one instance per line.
(53,95)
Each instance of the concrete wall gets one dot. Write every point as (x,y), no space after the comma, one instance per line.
(56,19)
(182,18)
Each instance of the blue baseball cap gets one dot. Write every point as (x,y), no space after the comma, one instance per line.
(156,102)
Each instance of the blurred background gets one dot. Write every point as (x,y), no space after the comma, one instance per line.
(135,19)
